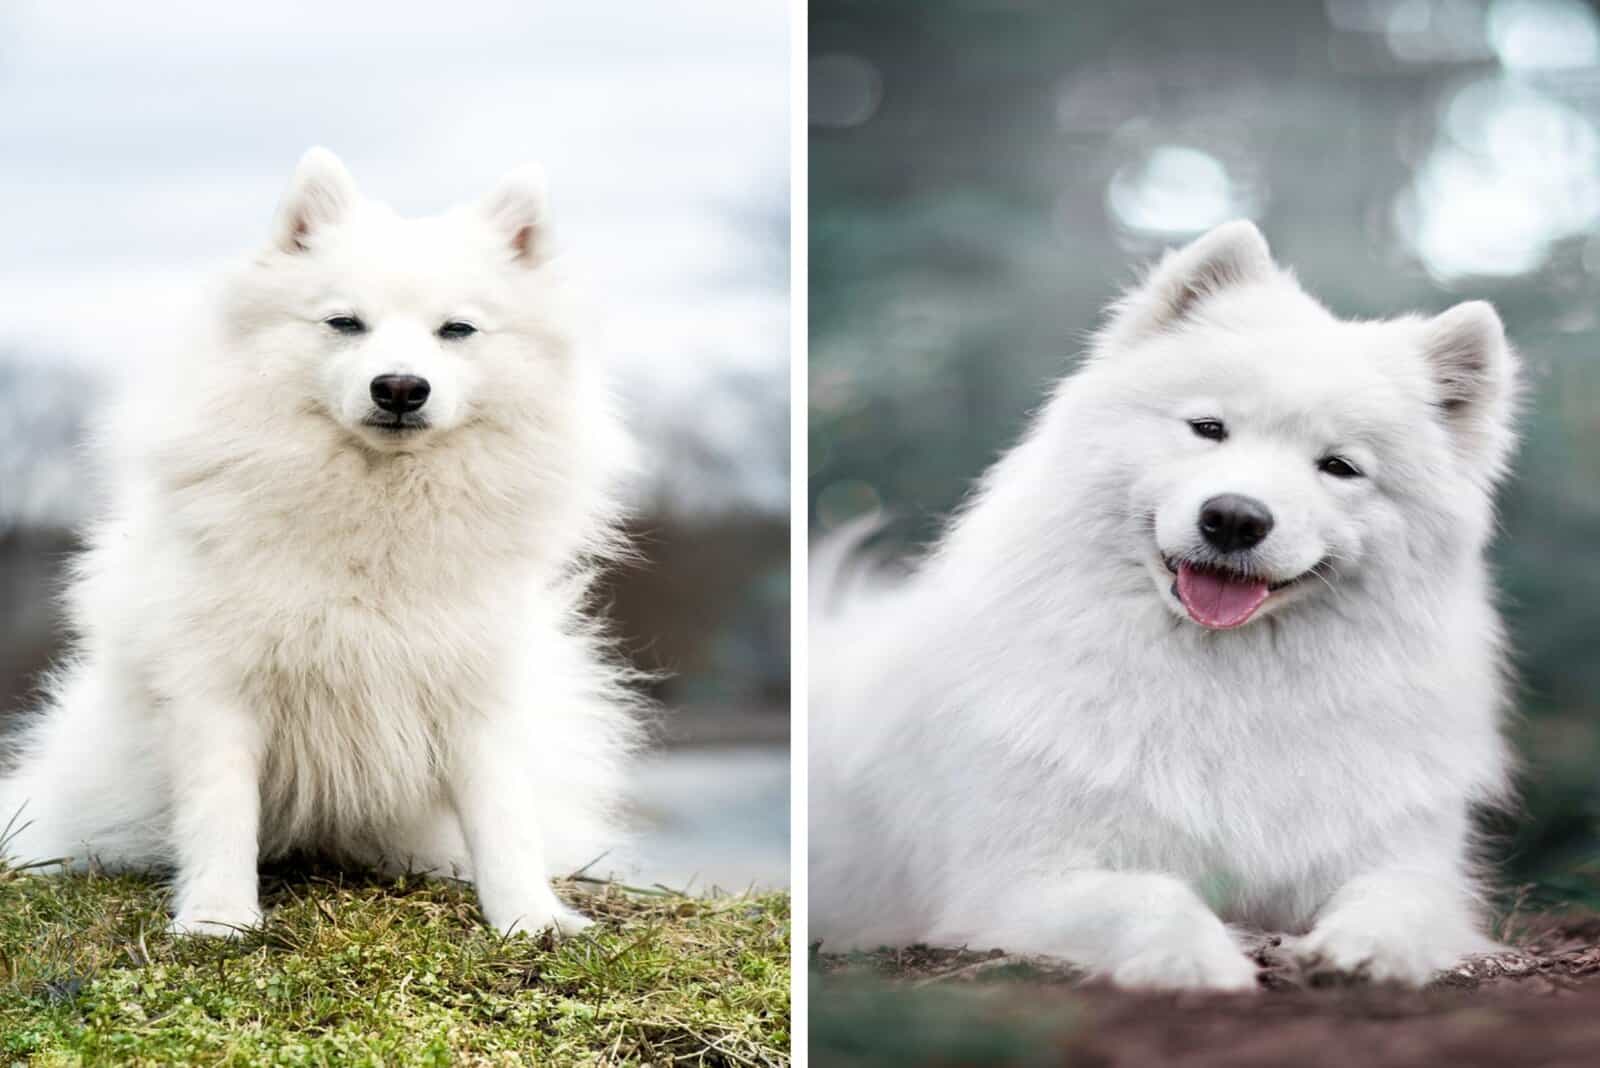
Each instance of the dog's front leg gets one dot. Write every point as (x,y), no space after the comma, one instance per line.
(1400,924)
(1149,931)
(216,797)
(1143,930)
(489,789)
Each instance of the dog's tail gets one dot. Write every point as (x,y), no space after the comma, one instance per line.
(843,569)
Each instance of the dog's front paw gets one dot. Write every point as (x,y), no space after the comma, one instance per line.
(1188,964)
(541,916)
(1335,951)
(215,919)
(568,922)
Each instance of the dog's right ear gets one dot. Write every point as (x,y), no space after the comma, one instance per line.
(320,193)
(1232,254)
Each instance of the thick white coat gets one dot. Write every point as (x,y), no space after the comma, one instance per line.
(296,631)
(1026,743)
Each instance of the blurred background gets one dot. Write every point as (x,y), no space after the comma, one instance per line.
(987,174)
(145,145)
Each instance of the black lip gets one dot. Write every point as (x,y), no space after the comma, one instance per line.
(399,425)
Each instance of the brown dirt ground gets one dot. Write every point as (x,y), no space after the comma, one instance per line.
(1536,1005)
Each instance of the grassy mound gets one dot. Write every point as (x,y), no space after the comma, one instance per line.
(354,970)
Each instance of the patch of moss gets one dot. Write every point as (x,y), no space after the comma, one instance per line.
(355,970)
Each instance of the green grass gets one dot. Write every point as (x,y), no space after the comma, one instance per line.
(354,970)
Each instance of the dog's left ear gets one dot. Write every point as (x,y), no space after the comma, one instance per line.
(1474,375)
(517,209)
(1233,254)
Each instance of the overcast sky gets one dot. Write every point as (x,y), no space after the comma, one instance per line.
(146,143)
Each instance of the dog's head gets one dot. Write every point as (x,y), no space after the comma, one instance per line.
(1270,452)
(402,331)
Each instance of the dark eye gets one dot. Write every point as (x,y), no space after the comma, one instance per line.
(345,324)
(1338,467)
(1210,429)
(454,331)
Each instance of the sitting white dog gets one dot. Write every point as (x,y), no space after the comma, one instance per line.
(1214,644)
(337,605)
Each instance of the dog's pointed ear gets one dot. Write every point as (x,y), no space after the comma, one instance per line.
(517,209)
(1232,254)
(1474,375)
(320,193)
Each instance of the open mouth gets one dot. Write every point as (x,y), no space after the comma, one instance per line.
(1221,597)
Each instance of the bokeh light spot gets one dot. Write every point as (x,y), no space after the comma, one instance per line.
(1544,34)
(1174,191)
(1512,172)
(845,90)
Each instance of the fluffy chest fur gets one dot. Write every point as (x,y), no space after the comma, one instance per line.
(359,703)
(360,610)
(1256,765)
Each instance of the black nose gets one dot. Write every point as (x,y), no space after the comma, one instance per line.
(400,393)
(1231,522)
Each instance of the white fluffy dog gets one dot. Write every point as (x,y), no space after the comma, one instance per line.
(337,605)
(1214,644)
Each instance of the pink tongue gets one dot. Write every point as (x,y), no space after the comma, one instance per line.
(1217,600)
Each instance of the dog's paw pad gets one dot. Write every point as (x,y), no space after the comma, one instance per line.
(204,922)
(1176,968)
(568,923)
(1340,956)
(561,922)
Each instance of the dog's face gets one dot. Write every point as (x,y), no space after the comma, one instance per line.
(1271,452)
(1268,456)
(402,331)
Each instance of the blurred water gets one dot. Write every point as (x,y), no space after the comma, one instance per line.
(710,819)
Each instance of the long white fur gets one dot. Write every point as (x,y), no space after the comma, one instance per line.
(295,633)
(1027,744)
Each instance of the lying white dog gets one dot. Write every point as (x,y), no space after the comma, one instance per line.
(337,604)
(1214,643)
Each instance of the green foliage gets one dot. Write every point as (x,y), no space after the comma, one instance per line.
(352,970)
(864,1022)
